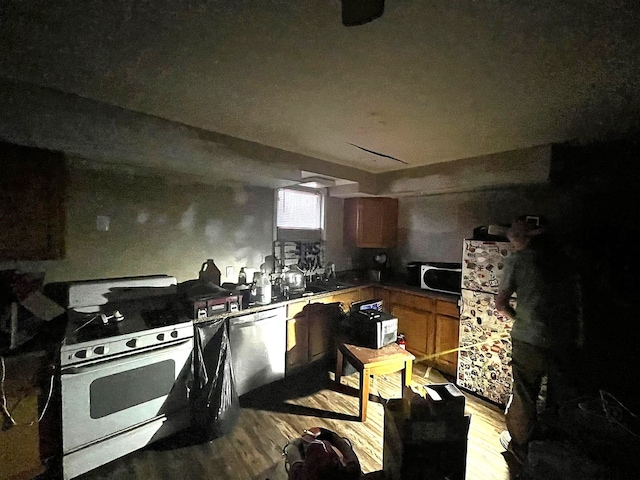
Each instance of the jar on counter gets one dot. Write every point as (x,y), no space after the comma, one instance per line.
(261,290)
(401,341)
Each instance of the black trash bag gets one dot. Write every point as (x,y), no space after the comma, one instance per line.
(215,404)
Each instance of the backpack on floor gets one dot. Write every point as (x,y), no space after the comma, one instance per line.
(321,454)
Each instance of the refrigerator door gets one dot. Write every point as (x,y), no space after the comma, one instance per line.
(485,348)
(482,264)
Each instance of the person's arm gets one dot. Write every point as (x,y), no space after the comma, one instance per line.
(507,288)
(502,302)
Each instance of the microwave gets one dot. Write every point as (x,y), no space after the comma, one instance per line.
(441,277)
(372,329)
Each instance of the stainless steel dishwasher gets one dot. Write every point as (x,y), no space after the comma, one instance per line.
(258,348)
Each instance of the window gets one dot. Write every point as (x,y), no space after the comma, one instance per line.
(299,210)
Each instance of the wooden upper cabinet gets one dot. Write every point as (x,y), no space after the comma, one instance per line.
(32,203)
(371,222)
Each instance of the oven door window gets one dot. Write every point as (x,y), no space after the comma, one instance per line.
(133,387)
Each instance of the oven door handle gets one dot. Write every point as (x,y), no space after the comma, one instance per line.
(103,362)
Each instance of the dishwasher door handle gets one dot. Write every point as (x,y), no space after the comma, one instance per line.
(244,325)
(254,318)
(253,321)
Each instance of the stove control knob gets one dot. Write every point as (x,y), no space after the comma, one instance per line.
(133,343)
(86,353)
(160,337)
(101,350)
(174,334)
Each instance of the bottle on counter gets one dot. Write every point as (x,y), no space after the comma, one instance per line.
(242,277)
(209,272)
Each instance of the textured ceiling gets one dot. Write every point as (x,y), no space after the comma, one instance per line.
(428,82)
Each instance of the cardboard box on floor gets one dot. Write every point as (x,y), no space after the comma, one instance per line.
(20,443)
(425,436)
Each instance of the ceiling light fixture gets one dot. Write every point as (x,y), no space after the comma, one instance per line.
(317,182)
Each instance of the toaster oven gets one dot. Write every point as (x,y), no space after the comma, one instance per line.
(372,328)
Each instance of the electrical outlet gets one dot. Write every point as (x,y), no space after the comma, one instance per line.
(102,223)
(229,272)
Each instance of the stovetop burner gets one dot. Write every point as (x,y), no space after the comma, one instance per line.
(112,317)
(95,330)
(121,318)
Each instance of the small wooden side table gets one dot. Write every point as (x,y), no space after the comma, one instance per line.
(368,361)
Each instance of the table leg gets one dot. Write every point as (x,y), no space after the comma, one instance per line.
(364,393)
(339,365)
(407,372)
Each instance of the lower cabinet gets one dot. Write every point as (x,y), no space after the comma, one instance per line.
(345,299)
(297,343)
(311,334)
(416,322)
(430,327)
(312,327)
(383,294)
(447,336)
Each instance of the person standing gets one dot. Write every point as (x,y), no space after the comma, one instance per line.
(545,332)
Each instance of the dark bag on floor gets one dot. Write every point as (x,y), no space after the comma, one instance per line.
(214,401)
(321,454)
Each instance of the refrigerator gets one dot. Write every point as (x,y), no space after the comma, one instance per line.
(485,335)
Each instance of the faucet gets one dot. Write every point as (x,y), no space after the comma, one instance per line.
(330,271)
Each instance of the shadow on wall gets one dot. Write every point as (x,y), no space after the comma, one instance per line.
(160,227)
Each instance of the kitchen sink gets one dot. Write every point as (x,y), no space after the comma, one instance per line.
(326,286)
(315,289)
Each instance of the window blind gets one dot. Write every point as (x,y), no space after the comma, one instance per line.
(299,210)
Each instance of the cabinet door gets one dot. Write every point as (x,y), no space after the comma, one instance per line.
(414,301)
(367,293)
(32,196)
(345,299)
(294,308)
(371,222)
(297,342)
(418,328)
(322,325)
(384,295)
(447,330)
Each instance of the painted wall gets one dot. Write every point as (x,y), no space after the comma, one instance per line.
(342,256)
(431,228)
(156,226)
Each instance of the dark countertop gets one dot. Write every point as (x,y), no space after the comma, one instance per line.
(396,282)
(399,286)
(278,303)
(357,284)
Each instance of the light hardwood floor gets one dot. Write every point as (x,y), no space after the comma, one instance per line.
(272,416)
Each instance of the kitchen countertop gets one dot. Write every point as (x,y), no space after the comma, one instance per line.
(399,286)
(391,285)
(276,304)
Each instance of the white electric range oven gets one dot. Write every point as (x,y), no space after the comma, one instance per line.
(125,361)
